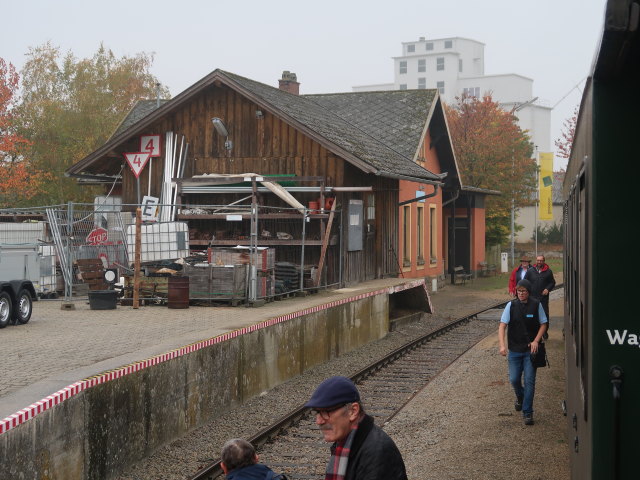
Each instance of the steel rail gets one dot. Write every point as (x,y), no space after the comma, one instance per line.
(214,469)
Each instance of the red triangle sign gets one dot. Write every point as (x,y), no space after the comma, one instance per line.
(137,161)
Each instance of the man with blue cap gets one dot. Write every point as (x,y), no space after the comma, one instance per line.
(360,449)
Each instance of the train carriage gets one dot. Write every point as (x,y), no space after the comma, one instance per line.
(602,324)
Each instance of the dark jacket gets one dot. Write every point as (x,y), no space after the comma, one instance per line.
(252,472)
(524,323)
(373,455)
(540,280)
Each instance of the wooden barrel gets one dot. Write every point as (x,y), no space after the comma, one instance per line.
(178,292)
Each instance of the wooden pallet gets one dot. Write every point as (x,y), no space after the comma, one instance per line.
(92,273)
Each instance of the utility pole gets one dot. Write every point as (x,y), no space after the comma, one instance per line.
(515,109)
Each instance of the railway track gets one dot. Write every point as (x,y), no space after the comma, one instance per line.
(293,445)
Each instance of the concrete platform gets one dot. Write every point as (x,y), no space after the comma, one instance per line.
(59,347)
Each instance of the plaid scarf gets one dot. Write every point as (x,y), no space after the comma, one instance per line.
(337,466)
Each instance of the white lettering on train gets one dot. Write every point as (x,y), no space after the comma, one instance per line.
(617,338)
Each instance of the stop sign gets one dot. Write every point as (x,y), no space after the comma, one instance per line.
(97,236)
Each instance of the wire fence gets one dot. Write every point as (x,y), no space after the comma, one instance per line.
(230,254)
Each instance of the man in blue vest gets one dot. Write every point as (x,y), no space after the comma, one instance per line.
(527,323)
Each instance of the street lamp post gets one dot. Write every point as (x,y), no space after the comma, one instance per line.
(515,109)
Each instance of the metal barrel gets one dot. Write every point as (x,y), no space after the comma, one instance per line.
(178,292)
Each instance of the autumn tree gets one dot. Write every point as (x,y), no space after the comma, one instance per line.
(493,153)
(72,106)
(565,142)
(19,181)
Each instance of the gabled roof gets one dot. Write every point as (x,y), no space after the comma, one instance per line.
(141,109)
(399,119)
(395,117)
(343,136)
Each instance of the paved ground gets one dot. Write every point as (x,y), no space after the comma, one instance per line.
(59,347)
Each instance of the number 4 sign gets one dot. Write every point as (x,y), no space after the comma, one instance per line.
(150,144)
(137,161)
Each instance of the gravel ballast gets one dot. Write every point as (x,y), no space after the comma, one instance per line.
(461,426)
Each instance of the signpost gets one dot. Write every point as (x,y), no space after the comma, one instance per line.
(150,144)
(137,161)
(97,236)
(150,208)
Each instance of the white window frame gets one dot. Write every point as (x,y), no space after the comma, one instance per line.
(406,229)
(433,235)
(420,234)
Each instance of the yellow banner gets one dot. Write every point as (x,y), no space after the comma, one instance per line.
(546,186)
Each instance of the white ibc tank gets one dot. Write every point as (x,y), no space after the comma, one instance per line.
(160,241)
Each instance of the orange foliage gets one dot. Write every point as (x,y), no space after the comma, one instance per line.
(9,141)
(20,183)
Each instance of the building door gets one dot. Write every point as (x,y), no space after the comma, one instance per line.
(371,256)
(459,244)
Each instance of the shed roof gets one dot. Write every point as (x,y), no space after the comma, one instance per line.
(375,147)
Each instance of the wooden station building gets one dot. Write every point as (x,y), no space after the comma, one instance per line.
(384,159)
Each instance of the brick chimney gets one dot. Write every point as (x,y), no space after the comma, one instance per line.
(289,83)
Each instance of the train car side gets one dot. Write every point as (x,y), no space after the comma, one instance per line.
(602,332)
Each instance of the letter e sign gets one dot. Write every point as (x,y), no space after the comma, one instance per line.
(150,144)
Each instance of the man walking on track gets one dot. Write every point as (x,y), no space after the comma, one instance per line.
(526,323)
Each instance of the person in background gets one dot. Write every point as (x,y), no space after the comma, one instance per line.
(542,282)
(360,449)
(518,274)
(240,462)
(526,322)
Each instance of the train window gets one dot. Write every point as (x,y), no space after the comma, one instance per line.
(583,243)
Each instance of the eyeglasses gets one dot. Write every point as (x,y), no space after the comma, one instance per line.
(326,413)
(522,291)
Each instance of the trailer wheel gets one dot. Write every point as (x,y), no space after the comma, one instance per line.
(24,308)
(5,309)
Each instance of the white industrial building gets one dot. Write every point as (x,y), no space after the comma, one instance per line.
(455,66)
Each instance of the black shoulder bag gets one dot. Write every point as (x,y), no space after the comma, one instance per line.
(539,359)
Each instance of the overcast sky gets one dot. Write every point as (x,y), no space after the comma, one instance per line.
(332,45)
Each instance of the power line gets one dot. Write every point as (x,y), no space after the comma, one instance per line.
(567,94)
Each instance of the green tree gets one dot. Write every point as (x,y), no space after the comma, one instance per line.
(9,140)
(19,181)
(72,106)
(493,153)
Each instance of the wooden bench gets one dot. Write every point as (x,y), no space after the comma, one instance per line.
(460,276)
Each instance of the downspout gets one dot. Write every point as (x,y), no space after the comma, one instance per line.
(452,199)
(452,257)
(417,199)
(452,241)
